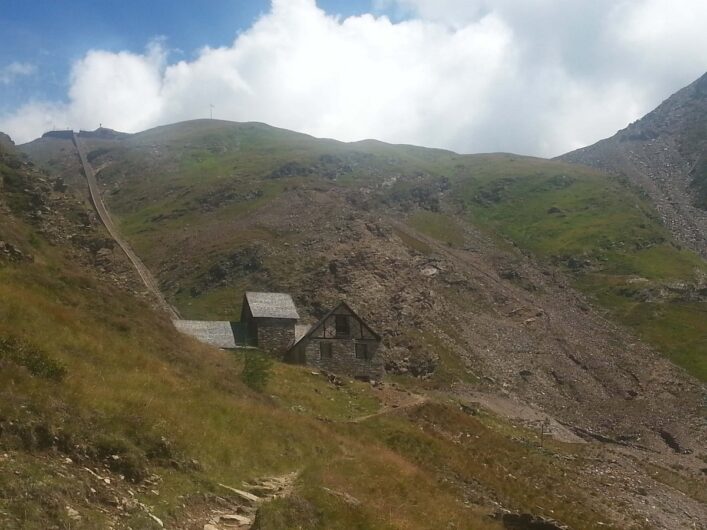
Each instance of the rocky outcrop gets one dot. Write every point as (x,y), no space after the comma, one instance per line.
(663,154)
(526,521)
(10,252)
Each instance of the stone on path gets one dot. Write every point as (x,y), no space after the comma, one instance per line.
(242,494)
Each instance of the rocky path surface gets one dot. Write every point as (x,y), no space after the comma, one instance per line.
(145,275)
(240,507)
(523,413)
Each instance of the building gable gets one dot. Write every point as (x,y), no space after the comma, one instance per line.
(330,326)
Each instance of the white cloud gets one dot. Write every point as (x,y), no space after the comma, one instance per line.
(10,72)
(668,37)
(108,87)
(537,77)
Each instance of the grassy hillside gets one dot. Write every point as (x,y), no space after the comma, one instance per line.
(90,375)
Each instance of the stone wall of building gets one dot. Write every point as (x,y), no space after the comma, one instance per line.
(343,358)
(275,335)
(341,341)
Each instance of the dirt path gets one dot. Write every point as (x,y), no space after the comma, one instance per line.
(394,401)
(238,507)
(518,412)
(147,278)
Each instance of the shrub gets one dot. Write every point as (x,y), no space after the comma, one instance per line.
(257,370)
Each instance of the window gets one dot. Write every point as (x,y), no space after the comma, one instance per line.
(325,350)
(342,325)
(362,351)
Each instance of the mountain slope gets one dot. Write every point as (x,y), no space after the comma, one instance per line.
(109,418)
(665,154)
(199,189)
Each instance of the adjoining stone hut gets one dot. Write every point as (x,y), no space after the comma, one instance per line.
(340,342)
(268,320)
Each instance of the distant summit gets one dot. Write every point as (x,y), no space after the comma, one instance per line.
(665,154)
(101,133)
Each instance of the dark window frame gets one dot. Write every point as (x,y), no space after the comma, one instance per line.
(326,350)
(342,325)
(362,351)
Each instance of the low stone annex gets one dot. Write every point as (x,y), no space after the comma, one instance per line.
(339,342)
(219,334)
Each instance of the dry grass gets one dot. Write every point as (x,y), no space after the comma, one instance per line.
(135,388)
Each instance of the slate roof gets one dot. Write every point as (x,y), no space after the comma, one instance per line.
(301,330)
(215,333)
(271,305)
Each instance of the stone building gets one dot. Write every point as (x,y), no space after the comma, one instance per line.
(341,342)
(269,320)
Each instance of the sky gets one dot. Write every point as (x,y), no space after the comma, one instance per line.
(537,77)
